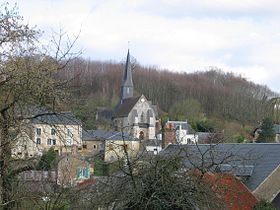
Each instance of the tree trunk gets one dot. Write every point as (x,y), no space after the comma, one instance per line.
(5,154)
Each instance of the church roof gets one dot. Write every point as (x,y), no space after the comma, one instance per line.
(124,108)
(127,77)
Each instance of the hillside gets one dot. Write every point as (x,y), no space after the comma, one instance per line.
(220,96)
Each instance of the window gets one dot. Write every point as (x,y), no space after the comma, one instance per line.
(142,117)
(38,131)
(94,146)
(69,137)
(51,142)
(125,147)
(82,173)
(25,147)
(69,133)
(84,146)
(53,131)
(38,141)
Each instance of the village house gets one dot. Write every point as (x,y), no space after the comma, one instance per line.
(62,131)
(110,146)
(183,131)
(73,169)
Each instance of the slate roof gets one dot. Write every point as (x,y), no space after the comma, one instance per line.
(65,118)
(264,158)
(89,135)
(123,109)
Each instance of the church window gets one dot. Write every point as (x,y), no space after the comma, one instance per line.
(142,117)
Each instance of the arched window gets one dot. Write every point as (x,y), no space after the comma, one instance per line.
(142,117)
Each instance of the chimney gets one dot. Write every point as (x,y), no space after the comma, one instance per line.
(168,136)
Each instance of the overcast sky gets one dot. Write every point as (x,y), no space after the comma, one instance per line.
(241,36)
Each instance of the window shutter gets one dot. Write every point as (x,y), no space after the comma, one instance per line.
(86,173)
(78,172)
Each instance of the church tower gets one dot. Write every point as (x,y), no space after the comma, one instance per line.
(127,84)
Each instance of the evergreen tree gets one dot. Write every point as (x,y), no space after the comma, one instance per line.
(47,160)
(266,133)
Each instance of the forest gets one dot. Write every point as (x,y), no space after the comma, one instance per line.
(225,102)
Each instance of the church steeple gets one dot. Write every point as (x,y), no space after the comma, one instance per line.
(127,84)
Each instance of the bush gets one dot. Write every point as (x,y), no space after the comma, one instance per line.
(263,205)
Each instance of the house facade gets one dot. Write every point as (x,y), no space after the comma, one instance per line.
(183,131)
(62,131)
(73,169)
(110,146)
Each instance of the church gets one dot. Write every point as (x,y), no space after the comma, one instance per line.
(134,115)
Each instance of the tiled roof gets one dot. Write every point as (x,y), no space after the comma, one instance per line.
(104,135)
(65,118)
(263,157)
(124,108)
(233,192)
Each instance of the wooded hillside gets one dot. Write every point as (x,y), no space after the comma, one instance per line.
(221,95)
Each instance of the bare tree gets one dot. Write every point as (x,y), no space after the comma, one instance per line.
(26,81)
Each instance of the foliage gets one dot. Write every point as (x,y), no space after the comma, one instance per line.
(266,133)
(263,205)
(189,109)
(27,81)
(156,183)
(47,160)
(100,168)
(203,126)
(225,95)
(240,139)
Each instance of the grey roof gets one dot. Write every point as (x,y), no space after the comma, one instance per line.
(204,135)
(89,135)
(152,142)
(255,161)
(65,118)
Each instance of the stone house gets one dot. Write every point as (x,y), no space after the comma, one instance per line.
(184,133)
(62,131)
(109,145)
(73,169)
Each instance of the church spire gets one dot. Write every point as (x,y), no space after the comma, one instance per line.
(127,84)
